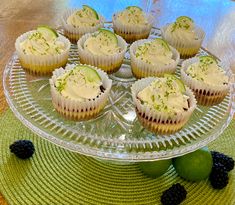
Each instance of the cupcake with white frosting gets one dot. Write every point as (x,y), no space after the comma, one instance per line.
(153,58)
(184,35)
(77,22)
(79,92)
(132,23)
(102,49)
(42,50)
(163,105)
(207,78)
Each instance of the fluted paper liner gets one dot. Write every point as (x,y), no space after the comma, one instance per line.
(108,63)
(74,109)
(141,69)
(133,32)
(74,33)
(157,121)
(186,49)
(41,64)
(204,93)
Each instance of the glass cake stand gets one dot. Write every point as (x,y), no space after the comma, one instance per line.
(115,134)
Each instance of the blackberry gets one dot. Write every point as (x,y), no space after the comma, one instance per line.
(223,159)
(174,195)
(218,176)
(23,149)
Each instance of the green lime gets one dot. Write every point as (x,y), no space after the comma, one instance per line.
(134,8)
(92,11)
(162,42)
(195,166)
(184,19)
(90,74)
(48,32)
(108,36)
(155,169)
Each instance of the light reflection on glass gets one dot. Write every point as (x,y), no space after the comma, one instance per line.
(130,116)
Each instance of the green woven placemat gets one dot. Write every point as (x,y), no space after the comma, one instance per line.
(57,176)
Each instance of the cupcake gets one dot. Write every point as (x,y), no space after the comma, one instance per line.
(79,92)
(77,22)
(102,49)
(184,35)
(132,24)
(153,58)
(163,105)
(206,77)
(41,51)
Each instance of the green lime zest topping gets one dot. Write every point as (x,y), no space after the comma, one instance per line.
(145,47)
(178,81)
(184,19)
(142,49)
(183,22)
(60,84)
(204,62)
(163,43)
(91,10)
(207,60)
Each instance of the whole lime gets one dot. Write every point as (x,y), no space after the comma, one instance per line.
(195,166)
(155,169)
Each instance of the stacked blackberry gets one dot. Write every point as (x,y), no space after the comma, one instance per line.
(222,165)
(23,149)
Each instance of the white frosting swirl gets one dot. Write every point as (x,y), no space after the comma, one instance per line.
(133,16)
(99,44)
(181,31)
(210,74)
(75,85)
(83,18)
(156,52)
(164,94)
(38,44)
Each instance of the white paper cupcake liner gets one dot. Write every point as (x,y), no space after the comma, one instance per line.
(108,63)
(186,48)
(205,94)
(142,69)
(73,109)
(134,32)
(74,33)
(157,121)
(38,64)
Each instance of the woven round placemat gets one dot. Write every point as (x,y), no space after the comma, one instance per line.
(58,176)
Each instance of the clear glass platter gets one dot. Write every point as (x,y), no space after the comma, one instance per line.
(115,134)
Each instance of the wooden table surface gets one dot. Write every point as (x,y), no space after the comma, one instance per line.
(19,16)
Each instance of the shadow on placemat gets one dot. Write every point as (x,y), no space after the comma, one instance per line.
(57,176)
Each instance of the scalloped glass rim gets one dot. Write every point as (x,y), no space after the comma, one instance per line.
(122,148)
